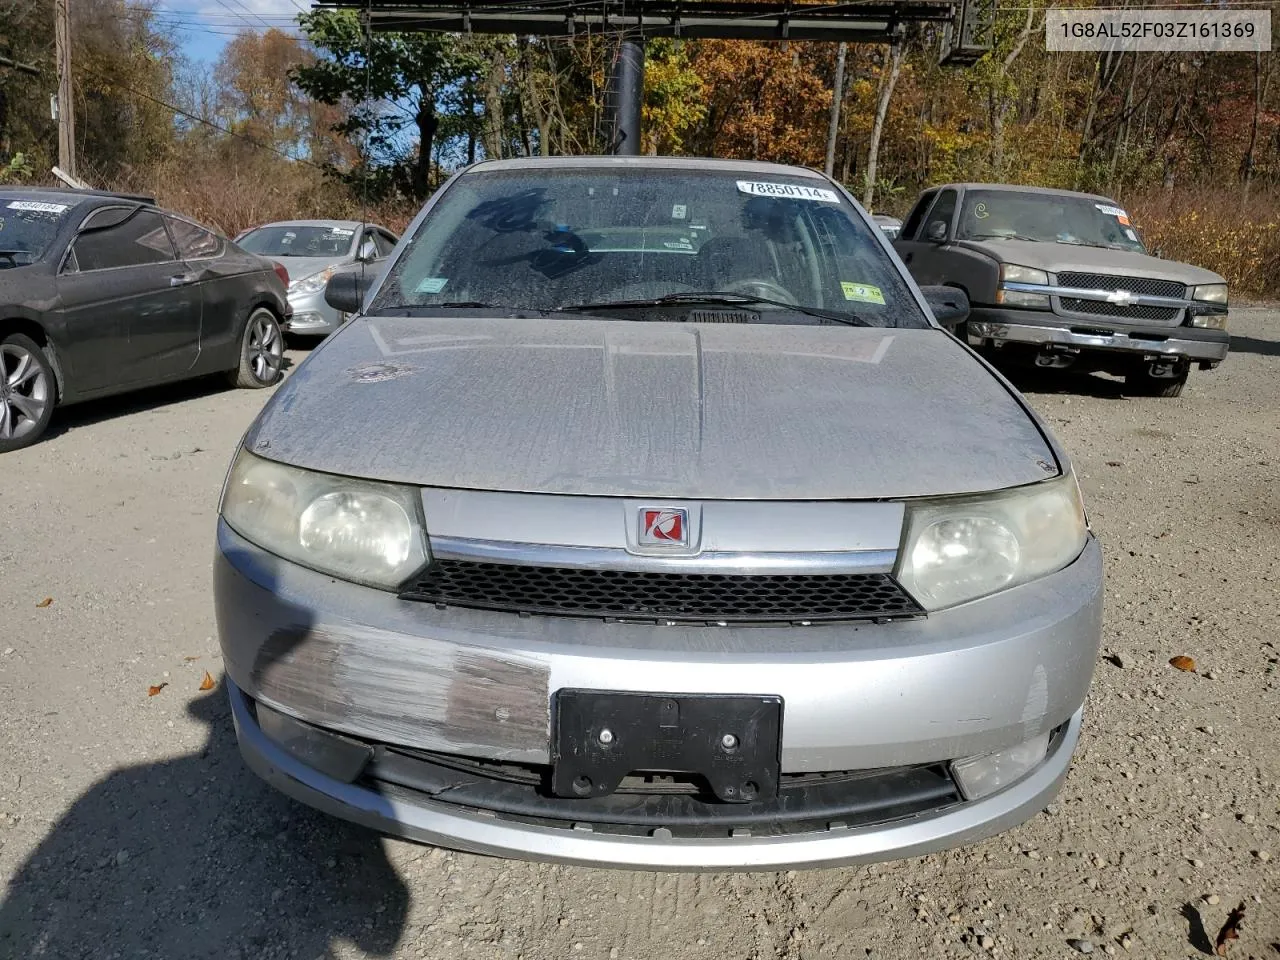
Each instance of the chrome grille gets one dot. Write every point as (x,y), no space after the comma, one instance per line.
(1099,309)
(1141,285)
(654,596)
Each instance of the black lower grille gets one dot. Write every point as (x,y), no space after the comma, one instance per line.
(1146,286)
(678,803)
(627,595)
(1099,309)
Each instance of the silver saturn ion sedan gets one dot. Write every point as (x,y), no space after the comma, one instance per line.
(645,516)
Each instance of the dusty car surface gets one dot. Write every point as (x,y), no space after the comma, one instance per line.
(103,293)
(646,517)
(1062,279)
(312,250)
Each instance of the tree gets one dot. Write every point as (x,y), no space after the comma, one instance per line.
(888,82)
(391,85)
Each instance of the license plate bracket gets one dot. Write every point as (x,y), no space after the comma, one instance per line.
(600,736)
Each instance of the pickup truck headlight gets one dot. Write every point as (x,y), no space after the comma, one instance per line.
(963,548)
(1213,315)
(312,284)
(1210,292)
(1012,273)
(358,530)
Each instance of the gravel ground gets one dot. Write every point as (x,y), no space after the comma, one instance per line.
(129,827)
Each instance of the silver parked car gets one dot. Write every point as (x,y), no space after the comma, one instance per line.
(890,225)
(647,517)
(311,250)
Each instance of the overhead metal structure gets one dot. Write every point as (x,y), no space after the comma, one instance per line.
(969,34)
(634,21)
(878,21)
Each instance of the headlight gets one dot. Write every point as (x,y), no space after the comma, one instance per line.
(314,283)
(1210,292)
(963,548)
(355,529)
(1012,273)
(1210,321)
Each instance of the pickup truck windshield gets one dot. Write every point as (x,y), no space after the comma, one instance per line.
(615,242)
(27,227)
(1047,218)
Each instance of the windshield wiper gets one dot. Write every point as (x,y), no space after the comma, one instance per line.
(1003,236)
(726,298)
(421,309)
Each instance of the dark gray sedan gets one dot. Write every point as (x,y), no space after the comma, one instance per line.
(104,293)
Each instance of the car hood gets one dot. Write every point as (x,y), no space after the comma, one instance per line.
(642,409)
(1065,257)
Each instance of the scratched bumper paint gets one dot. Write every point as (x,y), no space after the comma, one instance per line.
(970,680)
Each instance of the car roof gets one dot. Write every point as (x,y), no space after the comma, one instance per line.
(1021,188)
(70,196)
(649,163)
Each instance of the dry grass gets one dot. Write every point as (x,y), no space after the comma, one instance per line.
(235,196)
(1219,229)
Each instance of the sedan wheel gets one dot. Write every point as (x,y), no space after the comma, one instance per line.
(261,351)
(27,392)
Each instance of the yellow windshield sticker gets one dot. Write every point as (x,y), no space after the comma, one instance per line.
(862,292)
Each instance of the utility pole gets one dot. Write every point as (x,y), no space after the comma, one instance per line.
(627,92)
(837,94)
(66,102)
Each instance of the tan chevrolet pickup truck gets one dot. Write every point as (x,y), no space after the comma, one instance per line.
(1062,279)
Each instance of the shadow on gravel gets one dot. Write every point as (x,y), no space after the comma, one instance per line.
(1266,348)
(197,858)
(1031,380)
(141,401)
(1197,936)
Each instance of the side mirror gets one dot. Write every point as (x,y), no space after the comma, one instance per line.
(368,253)
(1157,252)
(937,232)
(346,289)
(950,305)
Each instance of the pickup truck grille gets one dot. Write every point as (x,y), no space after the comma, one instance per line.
(1142,285)
(653,596)
(1099,309)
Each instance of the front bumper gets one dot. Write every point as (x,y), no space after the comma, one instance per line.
(980,677)
(312,316)
(1041,328)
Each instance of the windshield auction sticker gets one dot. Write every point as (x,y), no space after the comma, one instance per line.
(32,206)
(1116,212)
(786,191)
(1215,31)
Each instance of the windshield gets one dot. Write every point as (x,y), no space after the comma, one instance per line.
(1046,217)
(614,241)
(288,240)
(27,227)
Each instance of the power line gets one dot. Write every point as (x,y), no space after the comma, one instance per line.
(244,7)
(208,123)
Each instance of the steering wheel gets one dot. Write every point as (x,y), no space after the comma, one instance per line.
(762,288)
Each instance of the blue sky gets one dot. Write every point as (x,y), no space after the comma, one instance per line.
(203,27)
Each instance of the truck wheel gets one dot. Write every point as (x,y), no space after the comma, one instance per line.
(27,392)
(1139,383)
